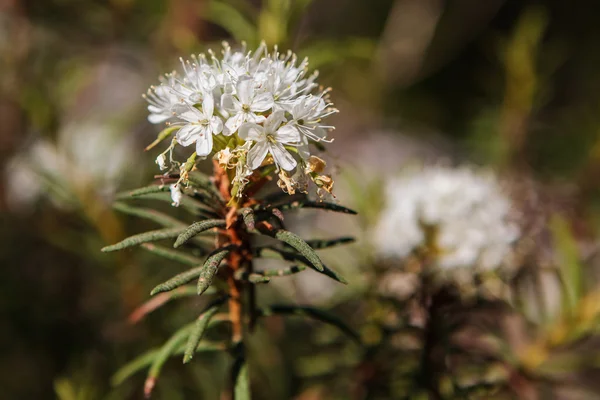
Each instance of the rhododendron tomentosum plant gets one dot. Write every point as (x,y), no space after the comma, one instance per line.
(254,114)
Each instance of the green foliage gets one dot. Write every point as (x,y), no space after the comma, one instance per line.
(178,280)
(210,267)
(196,228)
(149,214)
(294,269)
(300,245)
(314,204)
(204,201)
(571,271)
(327,243)
(142,191)
(295,256)
(151,236)
(310,312)
(163,354)
(202,182)
(242,383)
(171,254)
(198,331)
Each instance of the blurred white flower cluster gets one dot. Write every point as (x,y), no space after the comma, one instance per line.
(260,106)
(459,215)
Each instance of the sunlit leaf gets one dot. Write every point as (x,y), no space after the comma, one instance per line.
(210,267)
(196,228)
(177,280)
(145,237)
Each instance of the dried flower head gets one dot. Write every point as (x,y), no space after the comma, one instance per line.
(260,106)
(458,217)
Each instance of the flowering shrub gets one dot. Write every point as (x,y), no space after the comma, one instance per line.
(255,113)
(456,217)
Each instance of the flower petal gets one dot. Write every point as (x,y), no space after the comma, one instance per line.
(229,103)
(262,102)
(245,91)
(257,119)
(187,135)
(275,119)
(282,157)
(287,134)
(191,115)
(257,154)
(304,151)
(216,125)
(233,123)
(157,118)
(250,131)
(204,143)
(208,105)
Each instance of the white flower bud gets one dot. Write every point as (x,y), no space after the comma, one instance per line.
(176,195)
(161,160)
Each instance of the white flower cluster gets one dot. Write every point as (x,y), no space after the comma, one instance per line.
(266,101)
(466,211)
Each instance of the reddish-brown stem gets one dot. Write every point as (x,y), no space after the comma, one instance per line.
(238,259)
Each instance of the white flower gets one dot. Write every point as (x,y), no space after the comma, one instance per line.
(176,194)
(165,99)
(199,78)
(266,98)
(199,126)
(307,113)
(245,105)
(467,211)
(270,138)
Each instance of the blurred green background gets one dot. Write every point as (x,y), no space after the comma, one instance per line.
(513,84)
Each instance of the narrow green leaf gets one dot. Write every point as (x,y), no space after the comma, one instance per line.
(149,214)
(324,244)
(160,300)
(165,133)
(300,245)
(177,280)
(571,268)
(249,218)
(293,256)
(312,312)
(258,278)
(242,383)
(145,237)
(315,204)
(255,277)
(187,203)
(163,354)
(198,332)
(210,267)
(171,254)
(148,357)
(196,228)
(142,191)
(134,366)
(201,181)
(278,197)
(294,269)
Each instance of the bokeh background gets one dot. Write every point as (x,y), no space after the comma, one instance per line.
(509,84)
